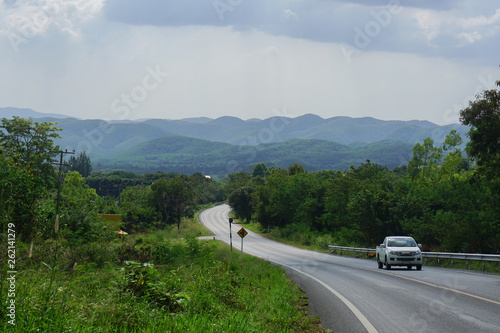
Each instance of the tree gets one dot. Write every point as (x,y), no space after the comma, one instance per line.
(29,145)
(454,161)
(82,164)
(26,149)
(260,169)
(241,201)
(483,117)
(79,219)
(425,158)
(205,189)
(173,199)
(137,211)
(295,169)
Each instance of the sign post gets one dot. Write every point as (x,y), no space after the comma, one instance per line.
(242,232)
(230,233)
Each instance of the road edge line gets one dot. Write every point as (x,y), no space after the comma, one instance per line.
(364,321)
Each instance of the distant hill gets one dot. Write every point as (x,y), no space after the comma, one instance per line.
(313,141)
(190,155)
(343,130)
(252,132)
(26,113)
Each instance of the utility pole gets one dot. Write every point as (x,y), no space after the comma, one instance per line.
(59,178)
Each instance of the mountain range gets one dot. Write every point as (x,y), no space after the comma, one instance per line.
(220,145)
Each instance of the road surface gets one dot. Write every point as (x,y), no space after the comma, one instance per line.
(353,295)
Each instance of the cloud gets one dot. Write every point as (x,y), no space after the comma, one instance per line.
(24,20)
(441,5)
(429,27)
(455,31)
(289,14)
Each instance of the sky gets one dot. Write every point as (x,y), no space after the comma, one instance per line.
(173,59)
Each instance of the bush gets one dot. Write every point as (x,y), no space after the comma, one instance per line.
(142,280)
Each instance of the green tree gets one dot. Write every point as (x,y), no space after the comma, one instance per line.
(29,145)
(295,169)
(137,211)
(239,189)
(241,201)
(483,117)
(206,190)
(79,216)
(19,192)
(82,164)
(454,161)
(259,169)
(337,193)
(173,199)
(26,149)
(425,158)
(113,183)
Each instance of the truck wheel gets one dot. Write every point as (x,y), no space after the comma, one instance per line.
(387,266)
(419,267)
(380,264)
(409,266)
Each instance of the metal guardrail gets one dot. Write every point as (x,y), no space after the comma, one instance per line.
(427,255)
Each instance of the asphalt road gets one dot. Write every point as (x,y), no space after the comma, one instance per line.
(353,295)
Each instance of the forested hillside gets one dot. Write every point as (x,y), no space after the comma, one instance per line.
(189,155)
(102,138)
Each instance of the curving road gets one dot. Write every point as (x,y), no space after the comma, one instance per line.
(353,295)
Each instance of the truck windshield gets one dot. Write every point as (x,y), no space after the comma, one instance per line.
(401,243)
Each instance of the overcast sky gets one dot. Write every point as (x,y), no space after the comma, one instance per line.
(132,59)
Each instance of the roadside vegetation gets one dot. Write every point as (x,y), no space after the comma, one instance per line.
(166,281)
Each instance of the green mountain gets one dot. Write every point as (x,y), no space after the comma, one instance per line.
(226,144)
(190,155)
(101,138)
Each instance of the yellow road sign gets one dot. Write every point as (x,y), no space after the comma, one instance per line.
(242,232)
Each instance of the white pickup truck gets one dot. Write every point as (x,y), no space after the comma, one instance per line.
(399,251)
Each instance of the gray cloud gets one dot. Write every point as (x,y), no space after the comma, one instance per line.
(339,21)
(423,4)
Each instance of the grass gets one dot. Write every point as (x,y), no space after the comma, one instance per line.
(164,281)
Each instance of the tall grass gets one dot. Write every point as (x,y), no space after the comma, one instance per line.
(165,281)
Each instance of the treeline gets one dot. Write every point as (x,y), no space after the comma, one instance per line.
(188,155)
(445,207)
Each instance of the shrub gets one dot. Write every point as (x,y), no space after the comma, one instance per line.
(142,280)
